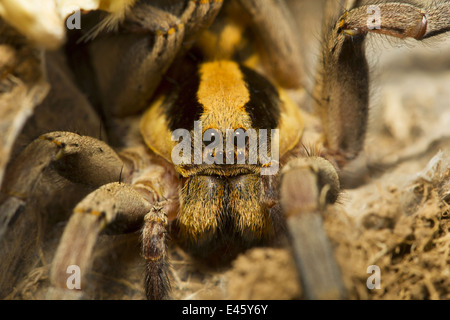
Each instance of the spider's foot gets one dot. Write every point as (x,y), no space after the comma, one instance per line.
(62,141)
(307,185)
(82,159)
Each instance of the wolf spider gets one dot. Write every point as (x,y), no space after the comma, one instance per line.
(210,210)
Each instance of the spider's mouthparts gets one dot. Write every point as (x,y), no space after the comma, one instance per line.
(221,170)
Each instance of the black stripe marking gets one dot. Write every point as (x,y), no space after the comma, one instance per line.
(264,105)
(181,106)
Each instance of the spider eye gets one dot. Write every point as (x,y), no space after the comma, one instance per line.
(210,137)
(240,138)
(230,157)
(219,156)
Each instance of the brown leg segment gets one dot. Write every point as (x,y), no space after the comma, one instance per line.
(153,37)
(342,93)
(342,83)
(307,186)
(399,20)
(116,208)
(50,175)
(154,250)
(276,30)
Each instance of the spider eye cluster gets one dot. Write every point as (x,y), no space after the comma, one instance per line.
(235,142)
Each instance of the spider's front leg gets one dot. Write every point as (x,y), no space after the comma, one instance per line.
(114,208)
(307,186)
(153,35)
(48,177)
(145,197)
(399,20)
(342,83)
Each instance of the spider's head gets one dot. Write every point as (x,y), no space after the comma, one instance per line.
(223,128)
